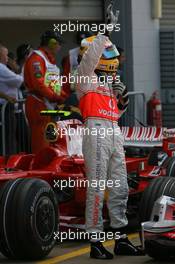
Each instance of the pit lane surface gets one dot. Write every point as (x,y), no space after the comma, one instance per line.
(70,252)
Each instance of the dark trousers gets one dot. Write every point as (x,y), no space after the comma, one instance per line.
(10,130)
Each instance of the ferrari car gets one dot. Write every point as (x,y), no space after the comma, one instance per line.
(39,196)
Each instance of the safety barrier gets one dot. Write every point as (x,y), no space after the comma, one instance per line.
(14,131)
(2,129)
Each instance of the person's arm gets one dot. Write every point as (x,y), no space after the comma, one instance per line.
(66,71)
(34,73)
(13,66)
(91,57)
(10,78)
(7,97)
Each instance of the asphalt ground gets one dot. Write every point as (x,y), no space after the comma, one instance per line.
(71,252)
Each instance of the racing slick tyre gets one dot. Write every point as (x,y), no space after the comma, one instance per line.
(28,218)
(157,188)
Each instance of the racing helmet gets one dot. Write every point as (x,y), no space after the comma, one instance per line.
(108,62)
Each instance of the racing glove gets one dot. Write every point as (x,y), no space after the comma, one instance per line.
(110,16)
(121,92)
(111,19)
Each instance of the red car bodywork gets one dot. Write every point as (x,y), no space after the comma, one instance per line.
(61,161)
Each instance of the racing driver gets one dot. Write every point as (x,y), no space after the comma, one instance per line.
(104,157)
(41,76)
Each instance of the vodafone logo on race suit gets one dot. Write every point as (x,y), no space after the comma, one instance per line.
(109,113)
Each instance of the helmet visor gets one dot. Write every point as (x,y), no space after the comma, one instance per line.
(110,52)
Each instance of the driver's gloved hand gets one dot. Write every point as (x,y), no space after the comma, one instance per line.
(111,20)
(121,92)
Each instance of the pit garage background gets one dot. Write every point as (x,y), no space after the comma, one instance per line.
(147,36)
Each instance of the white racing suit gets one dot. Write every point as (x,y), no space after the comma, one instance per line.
(103,154)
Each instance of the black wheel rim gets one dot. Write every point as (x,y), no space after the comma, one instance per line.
(45,218)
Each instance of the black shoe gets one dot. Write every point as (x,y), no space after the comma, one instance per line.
(99,252)
(124,247)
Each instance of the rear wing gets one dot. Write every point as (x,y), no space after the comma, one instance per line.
(144,136)
(133,136)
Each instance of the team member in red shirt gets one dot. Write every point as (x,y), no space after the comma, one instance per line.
(41,76)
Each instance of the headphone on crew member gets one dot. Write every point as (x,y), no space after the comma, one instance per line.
(50,38)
